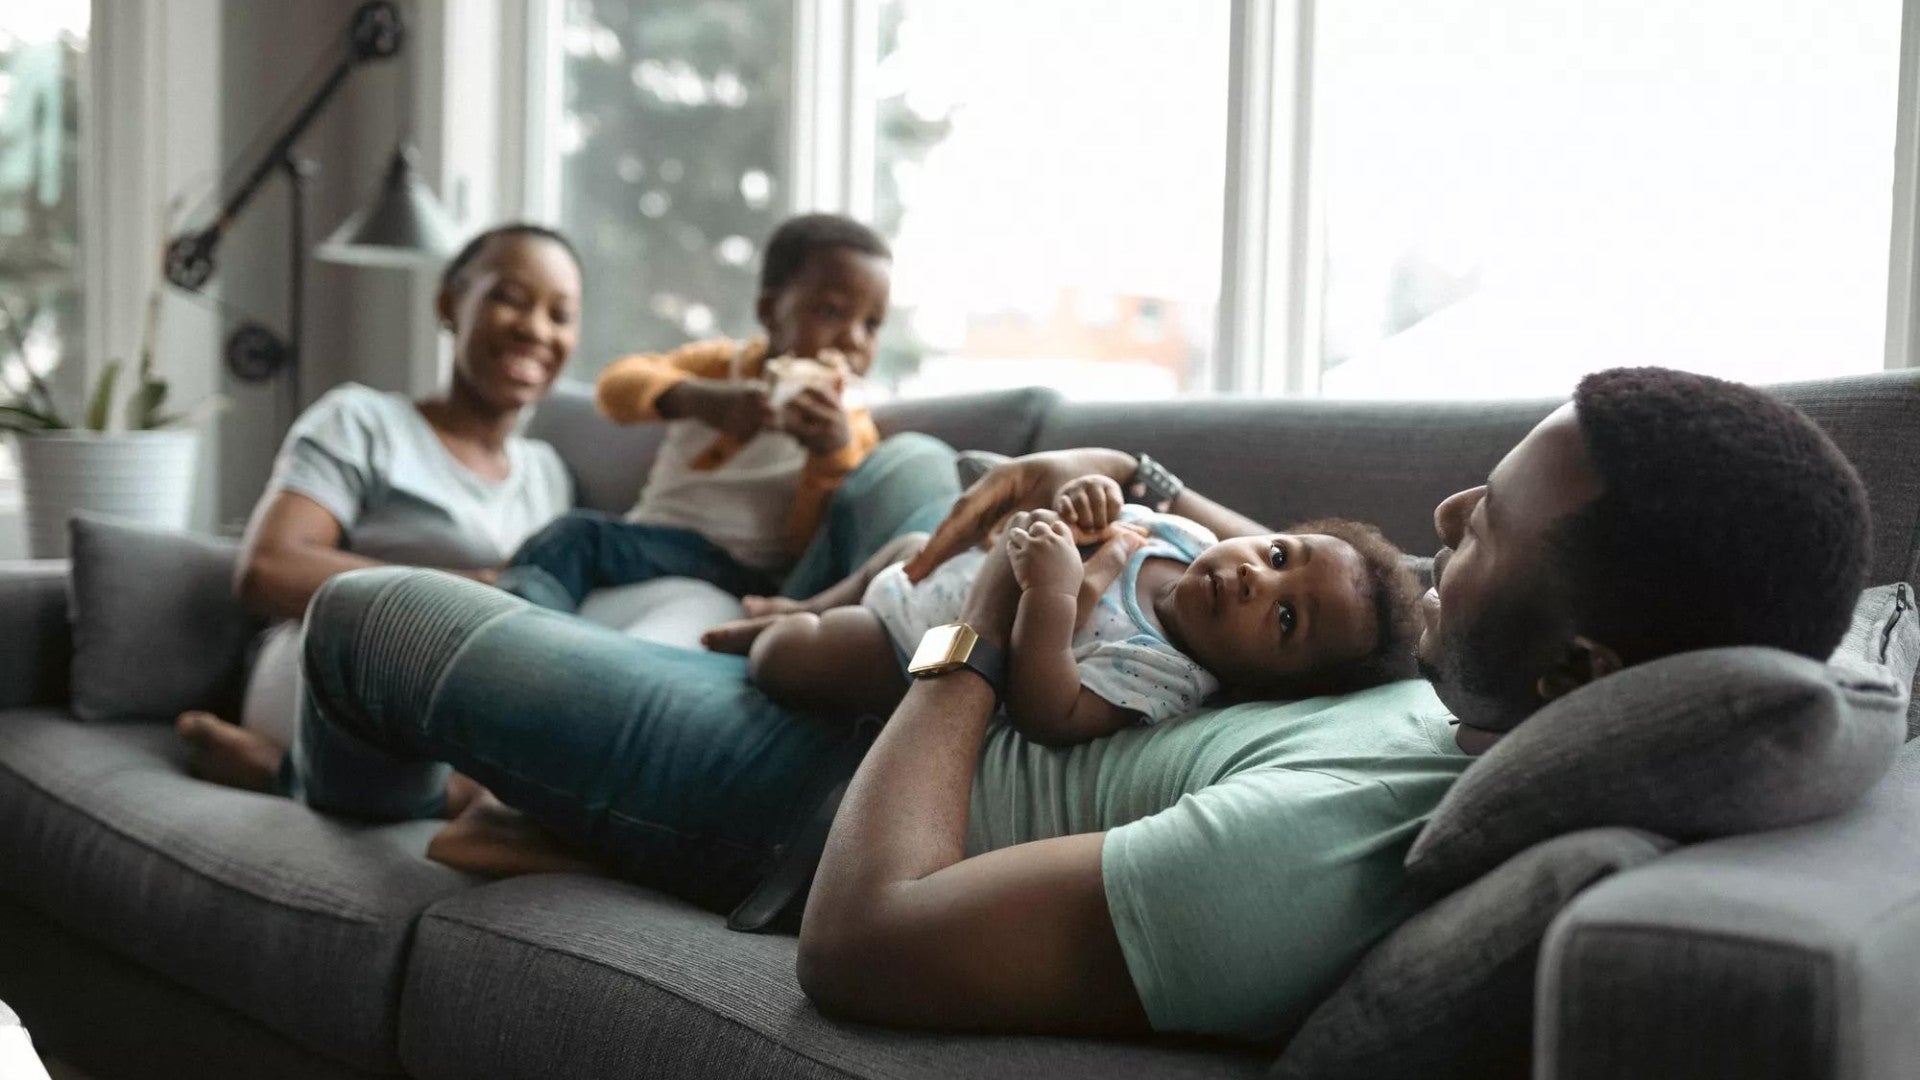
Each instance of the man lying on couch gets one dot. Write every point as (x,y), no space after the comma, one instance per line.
(1657,513)
(1216,875)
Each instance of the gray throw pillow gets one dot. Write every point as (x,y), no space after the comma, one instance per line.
(1450,993)
(156,627)
(1703,744)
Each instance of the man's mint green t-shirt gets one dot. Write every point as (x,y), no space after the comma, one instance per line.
(1253,853)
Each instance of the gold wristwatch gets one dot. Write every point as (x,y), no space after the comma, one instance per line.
(955,645)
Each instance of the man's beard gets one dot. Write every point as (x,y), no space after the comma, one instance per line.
(1486,676)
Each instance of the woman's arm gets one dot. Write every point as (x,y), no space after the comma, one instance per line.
(291,548)
(1031,482)
(902,928)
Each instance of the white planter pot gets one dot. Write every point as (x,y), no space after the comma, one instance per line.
(144,476)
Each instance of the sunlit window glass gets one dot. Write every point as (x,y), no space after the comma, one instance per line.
(1516,192)
(41,47)
(1052,177)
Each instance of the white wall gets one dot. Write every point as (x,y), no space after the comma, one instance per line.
(358,321)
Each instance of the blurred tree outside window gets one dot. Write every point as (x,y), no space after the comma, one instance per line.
(674,142)
(42,45)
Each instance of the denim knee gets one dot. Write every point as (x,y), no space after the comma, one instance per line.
(570,532)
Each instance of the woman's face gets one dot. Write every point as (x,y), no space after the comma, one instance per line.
(515,314)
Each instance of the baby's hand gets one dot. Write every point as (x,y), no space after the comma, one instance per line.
(1090,504)
(1040,547)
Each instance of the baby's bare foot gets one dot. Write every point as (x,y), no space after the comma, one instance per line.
(757,606)
(737,637)
(228,754)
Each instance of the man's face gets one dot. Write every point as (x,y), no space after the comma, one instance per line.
(1497,620)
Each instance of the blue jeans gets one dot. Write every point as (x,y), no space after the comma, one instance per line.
(586,550)
(666,763)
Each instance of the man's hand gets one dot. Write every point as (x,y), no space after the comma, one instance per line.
(1025,483)
(1090,504)
(817,419)
(1040,550)
(737,409)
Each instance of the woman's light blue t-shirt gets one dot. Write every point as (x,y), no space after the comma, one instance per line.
(374,463)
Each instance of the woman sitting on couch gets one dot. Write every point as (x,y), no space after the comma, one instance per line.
(367,478)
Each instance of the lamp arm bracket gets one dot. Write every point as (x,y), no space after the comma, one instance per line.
(376,33)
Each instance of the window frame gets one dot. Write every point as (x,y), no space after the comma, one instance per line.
(1267,336)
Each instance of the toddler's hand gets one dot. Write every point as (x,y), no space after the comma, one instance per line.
(737,409)
(1040,547)
(1090,504)
(816,418)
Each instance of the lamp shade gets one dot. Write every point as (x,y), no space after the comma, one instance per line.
(405,226)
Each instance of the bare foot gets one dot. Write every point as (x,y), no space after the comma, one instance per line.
(737,637)
(757,606)
(491,838)
(228,753)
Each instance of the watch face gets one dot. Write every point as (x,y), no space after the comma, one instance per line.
(942,648)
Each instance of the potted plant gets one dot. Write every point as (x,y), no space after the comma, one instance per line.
(141,468)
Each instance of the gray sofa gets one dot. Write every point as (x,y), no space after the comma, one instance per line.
(152,925)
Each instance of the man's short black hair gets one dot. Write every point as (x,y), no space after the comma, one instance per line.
(1725,518)
(797,238)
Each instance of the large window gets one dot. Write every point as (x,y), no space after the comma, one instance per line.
(41,47)
(1144,198)
(1517,193)
(672,139)
(1052,177)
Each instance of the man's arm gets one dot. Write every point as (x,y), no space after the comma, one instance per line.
(902,928)
(1029,482)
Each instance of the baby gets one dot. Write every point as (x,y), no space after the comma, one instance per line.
(1324,608)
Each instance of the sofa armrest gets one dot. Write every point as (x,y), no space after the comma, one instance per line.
(36,646)
(1775,955)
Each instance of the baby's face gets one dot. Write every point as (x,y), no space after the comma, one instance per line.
(1254,607)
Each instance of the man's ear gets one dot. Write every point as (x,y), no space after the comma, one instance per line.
(763,310)
(443,307)
(1584,661)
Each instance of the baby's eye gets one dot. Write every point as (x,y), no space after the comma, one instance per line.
(827,311)
(1287,619)
(1276,555)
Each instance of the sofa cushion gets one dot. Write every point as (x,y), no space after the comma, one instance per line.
(156,627)
(1699,745)
(667,611)
(1450,993)
(498,976)
(609,461)
(999,421)
(293,919)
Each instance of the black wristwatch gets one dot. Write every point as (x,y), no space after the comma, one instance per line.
(1152,486)
(955,645)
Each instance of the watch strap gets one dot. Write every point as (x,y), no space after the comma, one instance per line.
(1153,485)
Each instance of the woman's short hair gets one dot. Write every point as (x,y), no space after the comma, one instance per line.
(462,260)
